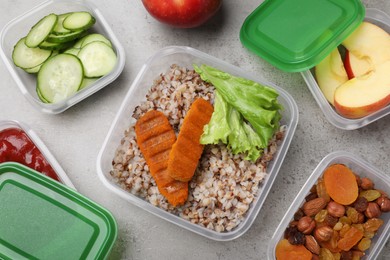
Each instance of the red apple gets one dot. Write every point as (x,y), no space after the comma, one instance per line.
(182,13)
(355,66)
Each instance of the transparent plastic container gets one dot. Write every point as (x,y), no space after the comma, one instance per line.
(5,124)
(159,63)
(20,26)
(382,20)
(359,167)
(43,219)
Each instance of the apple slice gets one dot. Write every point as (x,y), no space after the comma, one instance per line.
(356,67)
(364,95)
(330,74)
(369,43)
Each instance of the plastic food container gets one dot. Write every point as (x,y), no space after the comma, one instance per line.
(381,19)
(6,124)
(20,26)
(60,223)
(361,168)
(273,32)
(159,63)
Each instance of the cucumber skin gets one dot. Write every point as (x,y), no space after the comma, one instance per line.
(55,46)
(66,37)
(54,24)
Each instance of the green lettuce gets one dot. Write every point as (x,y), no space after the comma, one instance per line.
(246,114)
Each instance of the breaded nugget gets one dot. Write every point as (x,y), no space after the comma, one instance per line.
(155,137)
(186,151)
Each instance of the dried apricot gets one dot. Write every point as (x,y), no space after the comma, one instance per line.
(351,238)
(340,183)
(286,251)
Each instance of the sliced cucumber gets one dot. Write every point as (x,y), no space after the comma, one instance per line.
(87,82)
(65,37)
(74,51)
(78,21)
(95,37)
(60,77)
(55,46)
(41,30)
(98,59)
(41,97)
(26,58)
(58,28)
(33,70)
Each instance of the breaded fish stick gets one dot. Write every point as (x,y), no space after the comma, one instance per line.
(186,152)
(155,137)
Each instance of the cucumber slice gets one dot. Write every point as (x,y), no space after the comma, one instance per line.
(95,37)
(78,21)
(74,51)
(98,59)
(33,70)
(55,46)
(26,58)
(65,37)
(41,97)
(41,30)
(60,77)
(58,28)
(87,82)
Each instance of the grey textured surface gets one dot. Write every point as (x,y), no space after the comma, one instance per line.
(75,136)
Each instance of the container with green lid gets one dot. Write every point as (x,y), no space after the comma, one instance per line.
(43,219)
(296,35)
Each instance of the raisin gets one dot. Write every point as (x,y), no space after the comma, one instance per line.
(330,220)
(320,216)
(290,231)
(373,224)
(321,190)
(298,215)
(346,255)
(370,195)
(361,204)
(311,196)
(364,244)
(352,214)
(297,238)
(325,254)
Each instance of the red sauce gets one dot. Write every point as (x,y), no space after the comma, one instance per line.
(16,146)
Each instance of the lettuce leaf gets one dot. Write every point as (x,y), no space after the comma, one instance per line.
(249,118)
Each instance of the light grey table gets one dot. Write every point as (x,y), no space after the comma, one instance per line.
(75,136)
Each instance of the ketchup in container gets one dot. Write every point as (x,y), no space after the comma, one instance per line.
(16,146)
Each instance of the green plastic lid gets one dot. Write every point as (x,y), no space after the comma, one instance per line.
(43,219)
(295,35)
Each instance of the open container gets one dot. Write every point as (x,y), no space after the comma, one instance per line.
(359,167)
(9,124)
(61,223)
(296,36)
(157,64)
(20,26)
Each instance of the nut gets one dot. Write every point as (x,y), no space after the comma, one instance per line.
(366,184)
(306,225)
(373,210)
(384,204)
(312,245)
(314,206)
(323,234)
(335,209)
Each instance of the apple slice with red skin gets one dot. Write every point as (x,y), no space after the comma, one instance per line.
(356,67)
(364,95)
(330,74)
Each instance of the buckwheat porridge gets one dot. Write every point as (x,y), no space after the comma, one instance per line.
(224,185)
